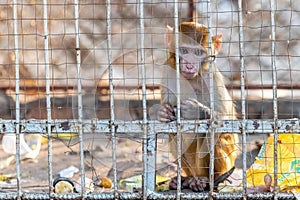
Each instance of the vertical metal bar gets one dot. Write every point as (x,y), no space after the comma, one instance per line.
(48,100)
(16,43)
(79,90)
(179,136)
(243,101)
(212,106)
(149,141)
(275,110)
(146,178)
(111,90)
(142,47)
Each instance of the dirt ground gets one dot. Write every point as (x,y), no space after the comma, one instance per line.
(97,162)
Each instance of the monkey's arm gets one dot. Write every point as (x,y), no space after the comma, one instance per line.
(192,109)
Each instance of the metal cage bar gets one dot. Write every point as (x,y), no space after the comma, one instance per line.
(275,109)
(154,195)
(111,90)
(79,91)
(190,127)
(178,113)
(243,100)
(211,128)
(149,138)
(48,97)
(17,89)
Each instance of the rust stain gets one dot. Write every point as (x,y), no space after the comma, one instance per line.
(65,126)
(288,127)
(256,125)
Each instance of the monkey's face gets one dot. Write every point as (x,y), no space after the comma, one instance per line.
(191,59)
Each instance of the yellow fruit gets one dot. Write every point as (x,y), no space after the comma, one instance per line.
(106,183)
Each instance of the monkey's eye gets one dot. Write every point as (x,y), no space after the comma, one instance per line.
(199,52)
(183,51)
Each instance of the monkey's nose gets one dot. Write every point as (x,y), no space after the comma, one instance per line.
(189,66)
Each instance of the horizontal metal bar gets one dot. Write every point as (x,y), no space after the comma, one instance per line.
(153,195)
(187,126)
(122,195)
(42,88)
(231,196)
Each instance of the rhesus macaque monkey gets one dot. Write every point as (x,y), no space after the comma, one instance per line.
(195,104)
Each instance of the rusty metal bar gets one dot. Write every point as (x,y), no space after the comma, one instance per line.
(187,126)
(42,88)
(17,89)
(48,97)
(149,139)
(243,100)
(211,128)
(79,92)
(178,93)
(154,195)
(275,109)
(111,90)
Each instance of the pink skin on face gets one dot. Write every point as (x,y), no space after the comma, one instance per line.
(188,69)
(190,60)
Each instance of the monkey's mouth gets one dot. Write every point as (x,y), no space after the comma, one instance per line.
(189,75)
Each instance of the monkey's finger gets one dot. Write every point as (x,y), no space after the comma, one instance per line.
(199,184)
(166,109)
(173,183)
(169,108)
(184,182)
(163,116)
(195,187)
(169,112)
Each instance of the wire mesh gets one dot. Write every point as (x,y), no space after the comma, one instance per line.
(82,84)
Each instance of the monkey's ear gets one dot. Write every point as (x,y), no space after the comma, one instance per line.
(169,36)
(217,41)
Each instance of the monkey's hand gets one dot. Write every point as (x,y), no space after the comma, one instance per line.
(192,109)
(198,183)
(166,113)
(184,183)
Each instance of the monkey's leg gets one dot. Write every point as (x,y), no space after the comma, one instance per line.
(194,165)
(197,165)
(225,153)
(198,177)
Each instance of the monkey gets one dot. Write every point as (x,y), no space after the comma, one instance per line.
(194,64)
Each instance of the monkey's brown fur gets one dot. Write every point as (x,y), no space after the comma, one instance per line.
(195,155)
